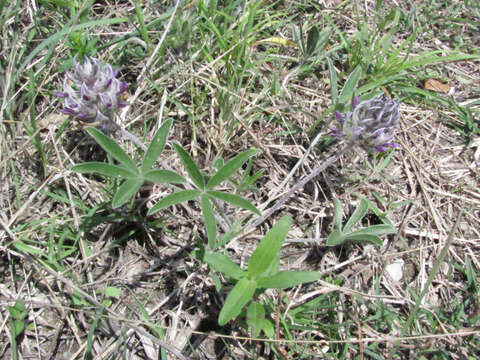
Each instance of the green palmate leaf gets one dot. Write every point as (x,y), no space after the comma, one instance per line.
(382,229)
(350,85)
(27,248)
(332,72)
(335,238)
(112,148)
(18,327)
(312,40)
(269,247)
(240,295)
(286,279)
(299,40)
(230,234)
(175,198)
(112,291)
(255,317)
(338,213)
(357,215)
(105,170)
(230,168)
(364,238)
(235,200)
(190,166)
(163,177)
(268,329)
(273,268)
(210,222)
(224,264)
(156,146)
(125,192)
(17,311)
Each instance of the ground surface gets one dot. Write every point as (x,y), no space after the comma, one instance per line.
(233,75)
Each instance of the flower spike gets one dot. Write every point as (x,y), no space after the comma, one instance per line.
(91,91)
(371,124)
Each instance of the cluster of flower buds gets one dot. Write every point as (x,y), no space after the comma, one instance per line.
(92,92)
(370,125)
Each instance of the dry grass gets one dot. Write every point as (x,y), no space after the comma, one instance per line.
(168,300)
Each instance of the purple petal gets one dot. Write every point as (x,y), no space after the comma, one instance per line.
(68,111)
(336,133)
(121,104)
(380,148)
(82,116)
(115,73)
(61,94)
(339,117)
(85,92)
(355,101)
(377,133)
(123,87)
(106,100)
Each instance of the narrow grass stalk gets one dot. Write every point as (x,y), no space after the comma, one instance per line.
(315,172)
(431,276)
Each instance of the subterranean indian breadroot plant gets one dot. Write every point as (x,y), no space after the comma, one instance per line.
(92,93)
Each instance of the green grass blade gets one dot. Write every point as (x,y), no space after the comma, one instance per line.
(67,29)
(235,200)
(156,146)
(141,23)
(125,192)
(175,198)
(192,168)
(230,168)
(431,58)
(105,170)
(210,222)
(164,177)
(113,149)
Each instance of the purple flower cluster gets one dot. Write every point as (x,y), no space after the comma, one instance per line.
(91,91)
(371,124)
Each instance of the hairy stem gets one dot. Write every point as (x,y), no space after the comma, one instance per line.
(130,136)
